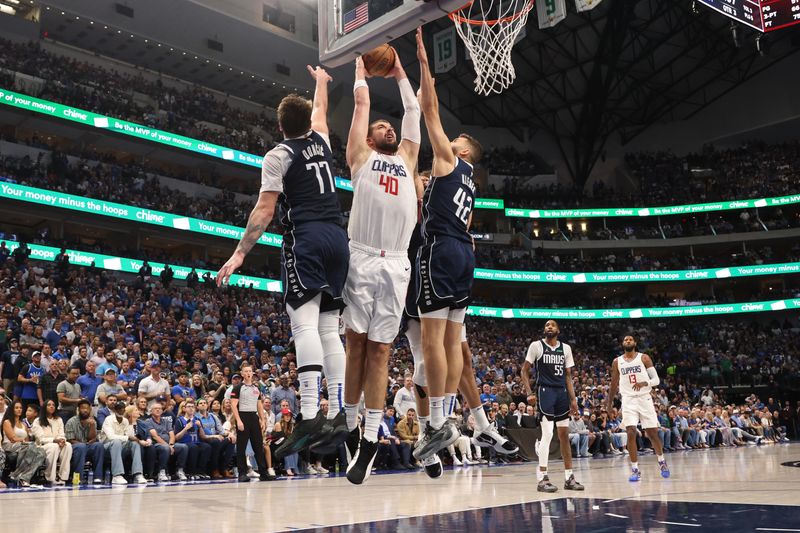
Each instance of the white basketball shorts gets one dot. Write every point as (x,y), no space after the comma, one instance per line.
(637,409)
(375,292)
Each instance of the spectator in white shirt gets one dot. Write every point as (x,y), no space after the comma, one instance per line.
(48,430)
(120,442)
(404,399)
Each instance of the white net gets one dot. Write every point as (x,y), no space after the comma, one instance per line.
(489,29)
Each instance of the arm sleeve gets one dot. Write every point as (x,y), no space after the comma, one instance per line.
(235,392)
(412,115)
(274,168)
(653,375)
(569,360)
(534,352)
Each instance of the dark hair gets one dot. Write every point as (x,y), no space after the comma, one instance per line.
(375,123)
(294,115)
(9,414)
(475,148)
(43,421)
(84,401)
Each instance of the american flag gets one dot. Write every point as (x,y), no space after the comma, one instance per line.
(357,17)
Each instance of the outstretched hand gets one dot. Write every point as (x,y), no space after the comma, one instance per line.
(361,71)
(422,54)
(319,74)
(397,71)
(228,269)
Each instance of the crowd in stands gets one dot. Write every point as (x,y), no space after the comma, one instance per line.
(80,344)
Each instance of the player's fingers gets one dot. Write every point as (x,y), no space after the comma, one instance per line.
(310,69)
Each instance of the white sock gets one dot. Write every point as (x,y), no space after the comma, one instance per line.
(635,466)
(449,404)
(567,474)
(481,422)
(371,424)
(305,331)
(660,458)
(540,474)
(351,414)
(437,412)
(333,360)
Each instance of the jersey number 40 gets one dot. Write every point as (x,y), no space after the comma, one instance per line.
(390,184)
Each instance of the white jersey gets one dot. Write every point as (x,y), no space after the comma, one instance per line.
(384,210)
(631,372)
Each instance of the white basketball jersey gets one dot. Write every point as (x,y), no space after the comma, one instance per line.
(631,372)
(384,210)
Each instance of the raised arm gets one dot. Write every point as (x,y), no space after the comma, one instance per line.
(444,161)
(410,130)
(259,220)
(319,113)
(357,149)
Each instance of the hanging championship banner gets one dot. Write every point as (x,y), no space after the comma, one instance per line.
(550,12)
(586,5)
(444,50)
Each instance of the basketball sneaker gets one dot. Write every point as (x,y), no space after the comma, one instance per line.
(664,469)
(304,434)
(352,442)
(572,484)
(635,475)
(433,466)
(334,432)
(359,469)
(545,485)
(490,438)
(435,440)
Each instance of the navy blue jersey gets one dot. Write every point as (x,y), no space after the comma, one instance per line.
(448,203)
(551,364)
(301,170)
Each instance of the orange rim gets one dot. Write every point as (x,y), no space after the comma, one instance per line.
(457,17)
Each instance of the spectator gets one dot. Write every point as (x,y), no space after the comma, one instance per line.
(283,428)
(48,430)
(81,432)
(153,386)
(392,450)
(109,387)
(120,443)
(284,392)
(223,446)
(189,431)
(408,428)
(29,378)
(15,440)
(48,384)
(164,445)
(89,382)
(405,399)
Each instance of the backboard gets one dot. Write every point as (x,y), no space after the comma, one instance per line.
(349,28)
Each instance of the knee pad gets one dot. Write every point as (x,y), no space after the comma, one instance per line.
(562,423)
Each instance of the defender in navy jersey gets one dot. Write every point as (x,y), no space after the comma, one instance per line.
(445,263)
(297,175)
(556,400)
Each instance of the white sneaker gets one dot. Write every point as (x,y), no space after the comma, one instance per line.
(139,479)
(312,471)
(467,461)
(456,461)
(271,471)
(252,474)
(322,470)
(162,476)
(182,475)
(119,480)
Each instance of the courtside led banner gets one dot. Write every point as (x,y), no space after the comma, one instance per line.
(132,266)
(83,204)
(122,264)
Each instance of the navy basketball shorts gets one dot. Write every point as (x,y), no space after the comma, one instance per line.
(445,272)
(411,312)
(315,259)
(553,402)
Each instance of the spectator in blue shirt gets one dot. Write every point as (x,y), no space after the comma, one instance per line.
(189,431)
(89,382)
(390,448)
(221,442)
(29,377)
(164,445)
(183,390)
(487,398)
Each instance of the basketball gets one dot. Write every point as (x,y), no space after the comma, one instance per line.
(380,61)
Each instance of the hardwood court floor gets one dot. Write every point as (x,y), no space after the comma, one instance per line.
(767,494)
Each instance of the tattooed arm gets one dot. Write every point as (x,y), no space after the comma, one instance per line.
(259,220)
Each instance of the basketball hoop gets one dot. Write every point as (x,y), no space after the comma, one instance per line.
(489,29)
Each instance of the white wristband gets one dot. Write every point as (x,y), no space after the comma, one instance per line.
(360,83)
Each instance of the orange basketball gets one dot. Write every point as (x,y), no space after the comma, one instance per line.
(379,61)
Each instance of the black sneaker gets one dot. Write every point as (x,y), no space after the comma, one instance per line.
(433,466)
(334,432)
(571,484)
(435,440)
(360,467)
(545,485)
(351,444)
(266,477)
(304,434)
(490,438)
(244,478)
